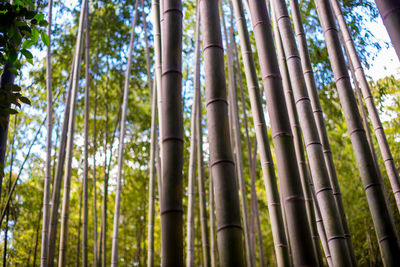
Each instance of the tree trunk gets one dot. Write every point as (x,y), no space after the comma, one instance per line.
(70,142)
(78,244)
(373,185)
(229,227)
(390,13)
(278,232)
(114,251)
(354,59)
(213,247)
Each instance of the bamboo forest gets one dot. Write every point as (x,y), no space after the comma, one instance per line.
(200,133)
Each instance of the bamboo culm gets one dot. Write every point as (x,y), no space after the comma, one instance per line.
(369,101)
(373,185)
(114,248)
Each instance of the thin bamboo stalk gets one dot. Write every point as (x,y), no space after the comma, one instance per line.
(369,101)
(114,248)
(331,216)
(278,232)
(70,143)
(47,178)
(213,247)
(193,149)
(290,184)
(373,185)
(318,116)
(229,227)
(234,112)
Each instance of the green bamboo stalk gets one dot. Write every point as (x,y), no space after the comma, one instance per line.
(278,232)
(373,185)
(369,101)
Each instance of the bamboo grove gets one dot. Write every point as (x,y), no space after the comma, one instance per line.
(201,133)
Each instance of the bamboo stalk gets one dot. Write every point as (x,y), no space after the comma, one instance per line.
(369,101)
(373,185)
(278,232)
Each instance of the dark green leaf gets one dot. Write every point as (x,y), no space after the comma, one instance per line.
(27,54)
(45,38)
(25,100)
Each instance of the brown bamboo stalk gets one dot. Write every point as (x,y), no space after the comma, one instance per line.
(291,191)
(280,241)
(235,127)
(331,216)
(229,227)
(373,185)
(369,101)
(171,136)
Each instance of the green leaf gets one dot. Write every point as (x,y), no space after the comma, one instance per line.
(20,23)
(39,17)
(11,111)
(35,35)
(27,44)
(13,71)
(43,23)
(45,38)
(25,100)
(29,3)
(12,55)
(27,54)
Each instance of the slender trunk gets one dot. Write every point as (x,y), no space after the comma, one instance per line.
(373,185)
(354,59)
(318,116)
(114,250)
(270,182)
(213,247)
(390,13)
(78,244)
(70,143)
(298,143)
(9,190)
(193,148)
(47,178)
(234,112)
(229,227)
(37,239)
(86,147)
(291,191)
(200,169)
(55,199)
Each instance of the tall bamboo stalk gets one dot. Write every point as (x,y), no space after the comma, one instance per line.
(55,198)
(369,101)
(205,243)
(229,227)
(213,246)
(70,144)
(298,143)
(278,232)
(193,148)
(291,191)
(390,13)
(114,249)
(331,216)
(234,112)
(171,136)
(373,185)
(47,178)
(318,116)
(85,220)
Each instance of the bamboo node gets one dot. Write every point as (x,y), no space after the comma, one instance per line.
(175,138)
(323,189)
(171,70)
(293,57)
(356,130)
(342,77)
(171,210)
(368,186)
(257,23)
(317,111)
(327,151)
(216,100)
(304,98)
(173,10)
(215,162)
(378,128)
(330,29)
(281,245)
(293,198)
(338,193)
(335,237)
(383,238)
(313,143)
(388,13)
(273,76)
(213,45)
(224,226)
(277,134)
